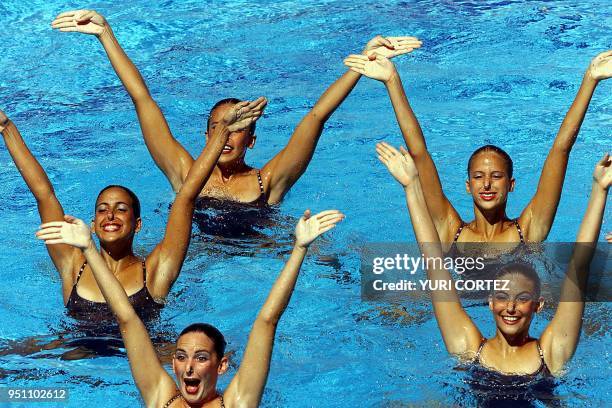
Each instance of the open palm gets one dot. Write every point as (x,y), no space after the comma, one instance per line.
(72,231)
(81,21)
(603,172)
(310,227)
(601,66)
(375,67)
(399,163)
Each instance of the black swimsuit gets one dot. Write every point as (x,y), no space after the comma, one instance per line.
(142,301)
(495,389)
(515,222)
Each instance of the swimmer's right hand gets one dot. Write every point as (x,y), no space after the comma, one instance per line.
(310,227)
(81,21)
(4,120)
(243,114)
(603,172)
(399,163)
(72,231)
(379,68)
(390,47)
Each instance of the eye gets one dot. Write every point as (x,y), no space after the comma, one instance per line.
(202,358)
(179,357)
(501,297)
(524,298)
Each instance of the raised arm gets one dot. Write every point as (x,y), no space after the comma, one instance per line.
(247,386)
(150,377)
(49,207)
(173,160)
(560,338)
(445,217)
(460,334)
(537,218)
(167,258)
(291,162)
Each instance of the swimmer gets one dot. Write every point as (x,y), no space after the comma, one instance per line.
(490,175)
(512,350)
(117,220)
(232,179)
(200,349)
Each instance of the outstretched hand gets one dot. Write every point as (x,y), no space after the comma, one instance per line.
(72,231)
(243,114)
(81,21)
(399,163)
(601,66)
(310,227)
(390,47)
(375,67)
(603,172)
(4,120)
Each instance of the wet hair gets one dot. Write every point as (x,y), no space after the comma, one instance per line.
(135,200)
(211,332)
(228,101)
(498,150)
(523,269)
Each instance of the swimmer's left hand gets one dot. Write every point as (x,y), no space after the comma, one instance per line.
(390,47)
(310,227)
(4,120)
(72,231)
(601,66)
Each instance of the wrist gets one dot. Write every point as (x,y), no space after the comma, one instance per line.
(598,188)
(107,32)
(300,248)
(393,78)
(90,248)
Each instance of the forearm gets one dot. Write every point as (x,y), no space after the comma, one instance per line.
(408,123)
(123,66)
(593,217)
(111,289)
(573,119)
(335,95)
(31,171)
(281,292)
(202,168)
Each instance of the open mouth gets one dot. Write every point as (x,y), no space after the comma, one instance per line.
(191,385)
(227,149)
(111,227)
(510,319)
(488,196)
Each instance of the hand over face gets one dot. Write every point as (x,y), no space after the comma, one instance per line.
(243,114)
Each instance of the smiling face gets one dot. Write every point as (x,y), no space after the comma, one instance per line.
(237,143)
(489,180)
(197,367)
(115,218)
(514,309)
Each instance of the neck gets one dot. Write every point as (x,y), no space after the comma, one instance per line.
(117,253)
(507,341)
(225,171)
(490,222)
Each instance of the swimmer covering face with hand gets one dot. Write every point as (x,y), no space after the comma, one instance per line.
(198,360)
(232,179)
(490,177)
(513,310)
(117,218)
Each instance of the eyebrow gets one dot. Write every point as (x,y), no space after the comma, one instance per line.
(118,202)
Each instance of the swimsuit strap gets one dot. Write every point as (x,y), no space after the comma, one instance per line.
(144,274)
(459,231)
(261,187)
(171,400)
(80,272)
(482,343)
(540,351)
(520,231)
(222,402)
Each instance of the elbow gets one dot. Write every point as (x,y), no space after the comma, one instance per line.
(140,95)
(268,319)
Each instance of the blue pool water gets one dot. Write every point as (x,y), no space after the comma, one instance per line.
(489,71)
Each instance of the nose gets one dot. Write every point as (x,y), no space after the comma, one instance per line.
(189,367)
(511,306)
(487,182)
(110,215)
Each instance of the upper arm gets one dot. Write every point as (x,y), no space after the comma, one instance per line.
(172,158)
(537,218)
(248,384)
(166,260)
(291,162)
